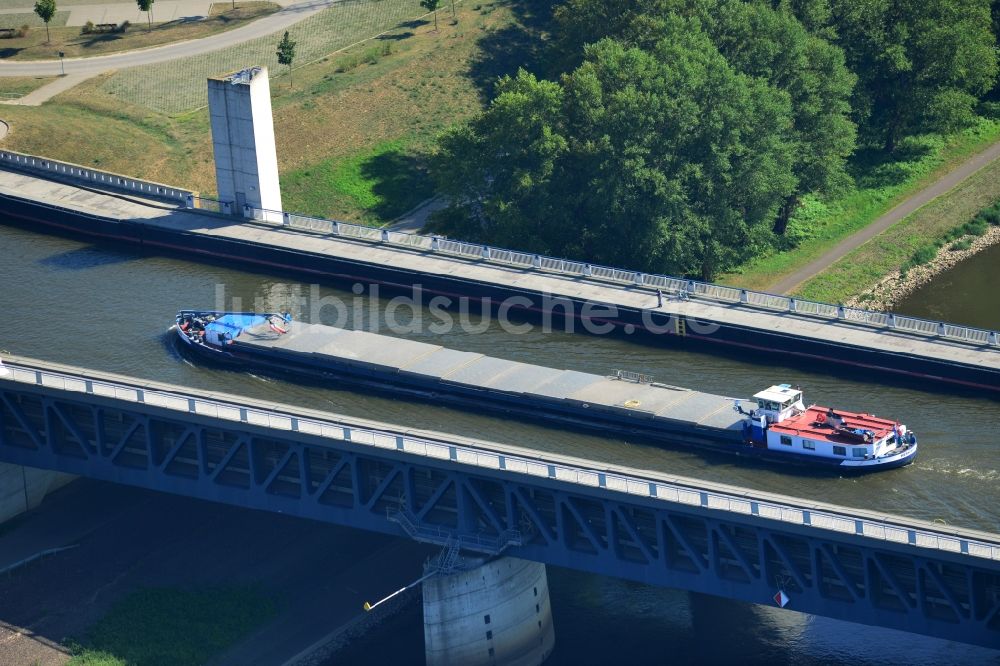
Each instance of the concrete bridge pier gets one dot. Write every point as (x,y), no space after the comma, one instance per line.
(23,488)
(488,612)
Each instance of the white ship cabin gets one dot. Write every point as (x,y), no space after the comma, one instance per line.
(779,403)
(821,431)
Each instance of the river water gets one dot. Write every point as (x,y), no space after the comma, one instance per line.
(968,293)
(109,309)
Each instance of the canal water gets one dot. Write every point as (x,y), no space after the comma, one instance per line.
(110,309)
(968,293)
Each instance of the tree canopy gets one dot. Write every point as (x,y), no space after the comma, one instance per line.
(286,54)
(46,9)
(680,135)
(664,159)
(921,64)
(146,6)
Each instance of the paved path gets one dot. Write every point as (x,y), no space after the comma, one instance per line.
(414,220)
(49,90)
(918,200)
(116,12)
(268,25)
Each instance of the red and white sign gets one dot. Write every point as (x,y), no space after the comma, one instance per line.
(781,599)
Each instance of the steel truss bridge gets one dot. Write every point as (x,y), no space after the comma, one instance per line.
(491,498)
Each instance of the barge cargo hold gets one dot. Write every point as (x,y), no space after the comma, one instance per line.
(624,403)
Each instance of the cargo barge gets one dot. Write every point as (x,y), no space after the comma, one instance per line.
(778,427)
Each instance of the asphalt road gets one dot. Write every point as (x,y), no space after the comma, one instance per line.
(268,25)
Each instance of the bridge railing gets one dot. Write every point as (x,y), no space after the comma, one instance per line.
(582,270)
(103,179)
(887,528)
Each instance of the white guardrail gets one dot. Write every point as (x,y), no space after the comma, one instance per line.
(689,288)
(103,179)
(888,528)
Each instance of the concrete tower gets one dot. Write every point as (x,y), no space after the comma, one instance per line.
(246,164)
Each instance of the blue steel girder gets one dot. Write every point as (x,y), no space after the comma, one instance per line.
(592,528)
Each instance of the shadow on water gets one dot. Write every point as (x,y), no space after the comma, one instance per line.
(87,257)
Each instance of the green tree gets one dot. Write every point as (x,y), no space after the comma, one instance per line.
(147,6)
(815,15)
(46,9)
(432,6)
(497,169)
(773,45)
(663,159)
(286,54)
(921,64)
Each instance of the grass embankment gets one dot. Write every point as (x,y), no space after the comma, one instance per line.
(18,86)
(70,41)
(384,107)
(352,133)
(171,627)
(881,182)
(913,241)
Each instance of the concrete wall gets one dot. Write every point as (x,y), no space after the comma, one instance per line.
(23,488)
(246,162)
(495,614)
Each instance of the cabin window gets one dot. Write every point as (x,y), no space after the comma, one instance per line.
(809,446)
(859,452)
(839,450)
(786,440)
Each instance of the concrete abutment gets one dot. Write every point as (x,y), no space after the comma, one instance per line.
(23,488)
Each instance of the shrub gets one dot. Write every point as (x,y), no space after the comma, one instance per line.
(370,55)
(992,215)
(124,26)
(989,110)
(23,32)
(923,255)
(87,28)
(976,227)
(386,48)
(963,244)
(347,63)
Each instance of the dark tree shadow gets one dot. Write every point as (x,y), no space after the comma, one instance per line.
(503,52)
(875,167)
(94,40)
(10,52)
(401,182)
(396,37)
(414,24)
(86,257)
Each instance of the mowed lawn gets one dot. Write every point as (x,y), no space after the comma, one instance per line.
(353,131)
(17,86)
(891,249)
(881,182)
(35,45)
